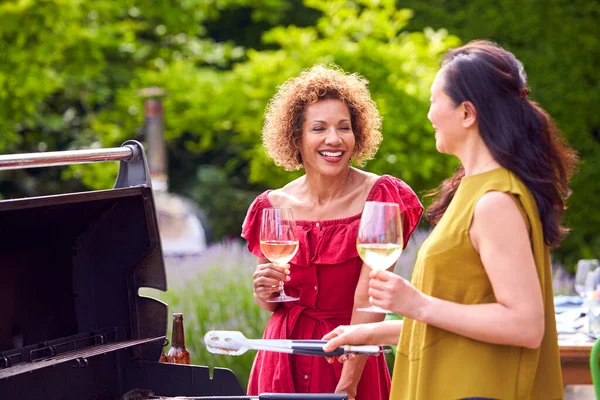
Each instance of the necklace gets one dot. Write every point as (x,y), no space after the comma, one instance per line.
(482,168)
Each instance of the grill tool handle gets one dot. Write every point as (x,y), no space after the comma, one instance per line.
(302,396)
(315,348)
(133,170)
(264,396)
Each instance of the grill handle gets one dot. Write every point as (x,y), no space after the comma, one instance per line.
(133,169)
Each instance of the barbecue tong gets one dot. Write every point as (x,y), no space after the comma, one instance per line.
(235,343)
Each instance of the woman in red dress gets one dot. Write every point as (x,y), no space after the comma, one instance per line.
(321,121)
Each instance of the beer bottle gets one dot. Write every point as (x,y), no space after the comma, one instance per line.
(163,356)
(177,353)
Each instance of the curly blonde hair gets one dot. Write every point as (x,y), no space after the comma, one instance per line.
(284,115)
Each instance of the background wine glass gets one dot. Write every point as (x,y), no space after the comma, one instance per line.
(380,239)
(278,242)
(585,277)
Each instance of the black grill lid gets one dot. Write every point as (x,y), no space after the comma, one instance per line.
(72,264)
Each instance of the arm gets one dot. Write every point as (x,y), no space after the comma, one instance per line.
(266,280)
(352,369)
(385,333)
(498,232)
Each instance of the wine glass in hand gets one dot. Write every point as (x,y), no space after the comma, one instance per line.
(278,242)
(380,240)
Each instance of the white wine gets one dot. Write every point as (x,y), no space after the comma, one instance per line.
(379,256)
(279,252)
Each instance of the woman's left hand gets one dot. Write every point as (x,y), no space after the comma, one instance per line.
(394,293)
(351,394)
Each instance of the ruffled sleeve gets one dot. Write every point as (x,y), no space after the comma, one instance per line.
(393,190)
(251,225)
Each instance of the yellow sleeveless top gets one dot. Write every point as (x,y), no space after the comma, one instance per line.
(434,364)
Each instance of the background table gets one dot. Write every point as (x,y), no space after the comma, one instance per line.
(575,358)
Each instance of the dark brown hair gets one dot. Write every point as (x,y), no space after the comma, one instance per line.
(521,136)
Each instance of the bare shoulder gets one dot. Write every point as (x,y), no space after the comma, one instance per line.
(497,208)
(497,222)
(364,179)
(288,195)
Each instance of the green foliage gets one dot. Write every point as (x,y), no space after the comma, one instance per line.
(220,194)
(65,61)
(559,44)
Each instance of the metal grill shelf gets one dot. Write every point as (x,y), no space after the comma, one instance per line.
(80,355)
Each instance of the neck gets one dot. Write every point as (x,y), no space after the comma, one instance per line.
(178,335)
(324,188)
(476,157)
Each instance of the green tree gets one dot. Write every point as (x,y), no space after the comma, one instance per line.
(63,61)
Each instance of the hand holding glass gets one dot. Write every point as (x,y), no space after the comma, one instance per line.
(278,242)
(380,240)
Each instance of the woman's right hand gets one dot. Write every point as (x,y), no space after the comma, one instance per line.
(347,335)
(267,278)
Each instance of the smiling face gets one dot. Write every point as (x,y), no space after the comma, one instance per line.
(327,140)
(446,118)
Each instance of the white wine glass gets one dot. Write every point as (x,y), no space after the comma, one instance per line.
(279,242)
(380,238)
(585,277)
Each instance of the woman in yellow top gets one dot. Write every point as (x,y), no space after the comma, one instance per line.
(479,313)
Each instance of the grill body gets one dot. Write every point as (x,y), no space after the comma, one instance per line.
(72,324)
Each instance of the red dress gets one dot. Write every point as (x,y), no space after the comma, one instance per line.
(324,273)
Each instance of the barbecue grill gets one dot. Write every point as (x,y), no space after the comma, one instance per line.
(72,322)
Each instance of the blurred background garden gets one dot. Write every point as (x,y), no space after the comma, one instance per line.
(72,71)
